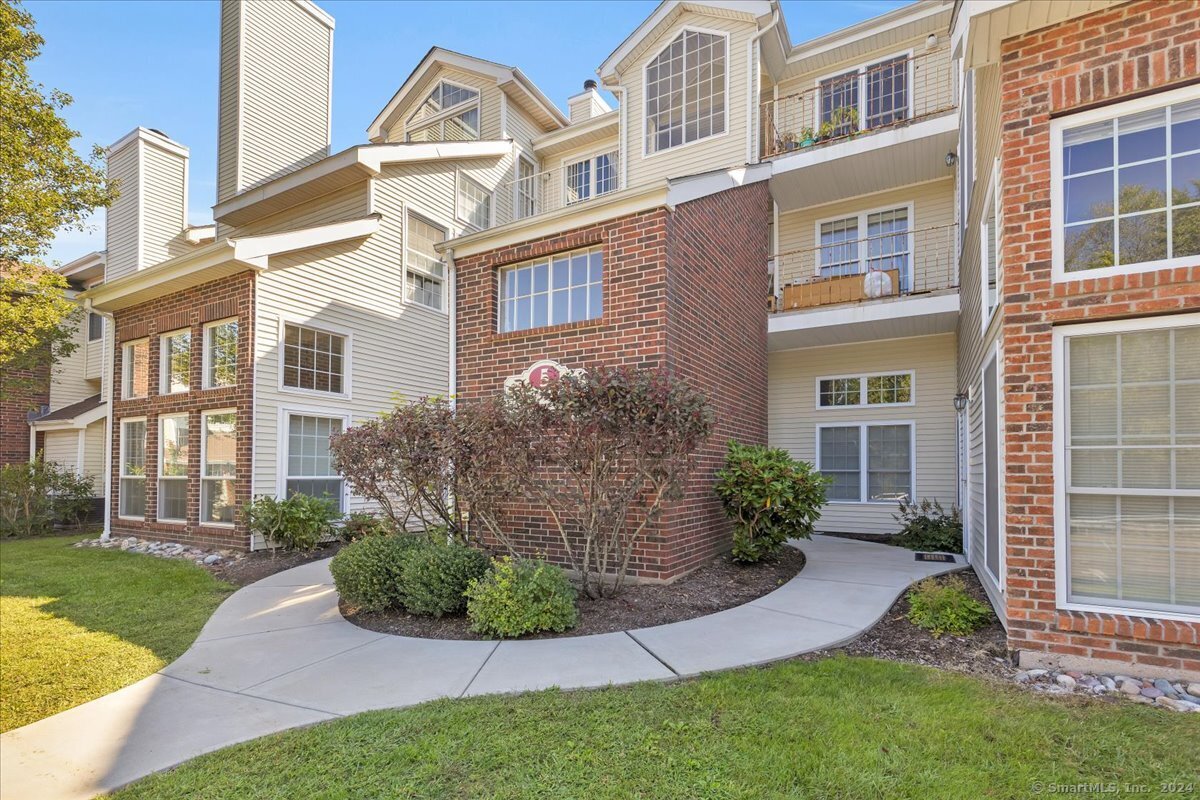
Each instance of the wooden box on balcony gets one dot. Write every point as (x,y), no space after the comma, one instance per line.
(846,289)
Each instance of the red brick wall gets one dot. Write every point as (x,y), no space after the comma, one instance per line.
(1117,53)
(683,289)
(231,297)
(14,410)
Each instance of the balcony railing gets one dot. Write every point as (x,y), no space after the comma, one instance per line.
(857,270)
(891,93)
(569,185)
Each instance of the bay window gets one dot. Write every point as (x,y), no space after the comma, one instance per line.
(310,469)
(132,501)
(172,467)
(552,291)
(218,471)
(685,91)
(867,462)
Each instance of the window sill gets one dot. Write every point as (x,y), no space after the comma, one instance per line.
(1122,611)
(563,327)
(315,393)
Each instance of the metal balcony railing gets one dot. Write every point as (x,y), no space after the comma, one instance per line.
(894,92)
(571,184)
(893,264)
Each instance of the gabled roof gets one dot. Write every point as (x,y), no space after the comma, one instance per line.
(510,79)
(79,414)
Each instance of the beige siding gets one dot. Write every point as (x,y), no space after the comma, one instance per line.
(350,203)
(121,221)
(69,383)
(489,102)
(163,180)
(229,106)
(61,448)
(716,152)
(793,416)
(93,455)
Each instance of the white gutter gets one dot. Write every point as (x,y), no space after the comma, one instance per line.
(752,84)
(452,304)
(109,344)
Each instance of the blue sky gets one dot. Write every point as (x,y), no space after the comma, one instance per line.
(155,63)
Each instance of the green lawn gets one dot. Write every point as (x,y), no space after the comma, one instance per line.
(837,728)
(76,624)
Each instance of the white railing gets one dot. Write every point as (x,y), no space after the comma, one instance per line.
(869,268)
(569,185)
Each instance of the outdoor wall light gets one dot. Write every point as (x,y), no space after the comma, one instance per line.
(960,402)
(951,158)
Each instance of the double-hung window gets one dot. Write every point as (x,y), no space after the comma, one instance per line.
(220,354)
(135,369)
(218,467)
(552,291)
(172,467)
(95,326)
(473,204)
(868,463)
(132,502)
(449,114)
(526,189)
(424,272)
(1127,430)
(989,247)
(1125,186)
(591,177)
(685,91)
(310,469)
(313,359)
(878,240)
(889,389)
(175,353)
(869,96)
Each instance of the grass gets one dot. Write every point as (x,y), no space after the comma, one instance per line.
(836,728)
(77,623)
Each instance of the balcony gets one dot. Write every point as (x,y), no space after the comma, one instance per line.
(891,285)
(570,185)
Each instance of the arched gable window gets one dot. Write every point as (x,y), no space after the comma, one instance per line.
(449,114)
(685,91)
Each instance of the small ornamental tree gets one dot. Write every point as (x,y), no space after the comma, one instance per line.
(611,447)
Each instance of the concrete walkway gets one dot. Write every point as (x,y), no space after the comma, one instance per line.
(277,654)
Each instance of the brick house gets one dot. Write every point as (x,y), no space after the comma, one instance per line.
(948,253)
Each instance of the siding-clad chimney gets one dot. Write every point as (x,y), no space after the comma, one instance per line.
(146,223)
(275,89)
(587,104)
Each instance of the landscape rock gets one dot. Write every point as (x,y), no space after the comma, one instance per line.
(1152,693)
(1065,681)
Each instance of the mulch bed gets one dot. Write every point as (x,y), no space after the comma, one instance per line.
(262,563)
(717,585)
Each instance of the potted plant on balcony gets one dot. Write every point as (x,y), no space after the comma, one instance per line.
(787,142)
(807,139)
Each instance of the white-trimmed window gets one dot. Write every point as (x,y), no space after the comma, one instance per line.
(313,359)
(1127,454)
(552,291)
(1125,186)
(135,369)
(989,248)
(871,240)
(424,271)
(868,96)
(590,177)
(449,114)
(220,353)
(95,326)
(850,391)
(132,502)
(173,467)
(310,468)
(867,462)
(526,188)
(474,203)
(218,467)
(175,362)
(685,90)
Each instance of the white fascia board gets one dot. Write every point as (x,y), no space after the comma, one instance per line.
(318,13)
(694,187)
(373,157)
(196,234)
(871,27)
(852,314)
(152,138)
(253,249)
(610,118)
(202,259)
(94,259)
(74,423)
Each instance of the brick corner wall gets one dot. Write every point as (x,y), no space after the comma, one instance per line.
(14,413)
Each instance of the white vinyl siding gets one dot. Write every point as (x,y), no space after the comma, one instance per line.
(132,469)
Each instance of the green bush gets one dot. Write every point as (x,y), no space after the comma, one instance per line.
(37,495)
(361,524)
(297,523)
(770,496)
(521,596)
(928,526)
(945,607)
(367,572)
(434,578)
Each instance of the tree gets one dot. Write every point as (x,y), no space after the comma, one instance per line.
(44,184)
(37,324)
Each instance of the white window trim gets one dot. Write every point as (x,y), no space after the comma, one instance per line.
(88,322)
(992,209)
(645,94)
(862,389)
(185,479)
(863,477)
(522,157)
(205,361)
(1061,551)
(579,159)
(549,261)
(204,415)
(127,369)
(459,177)
(428,219)
(1002,532)
(861,69)
(281,469)
(164,377)
(910,209)
(1058,125)
(347,357)
(446,113)
(121,476)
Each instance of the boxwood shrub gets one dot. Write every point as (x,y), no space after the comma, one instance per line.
(520,596)
(434,578)
(367,572)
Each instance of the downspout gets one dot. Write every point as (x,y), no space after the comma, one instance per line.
(752,88)
(452,308)
(109,342)
(622,133)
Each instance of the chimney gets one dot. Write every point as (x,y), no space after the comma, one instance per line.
(275,91)
(587,104)
(146,223)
